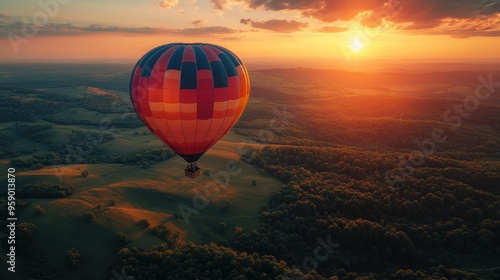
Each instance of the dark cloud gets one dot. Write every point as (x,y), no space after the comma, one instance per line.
(232,38)
(421,14)
(277,25)
(332,29)
(245,20)
(326,10)
(219,4)
(211,30)
(69,29)
(96,28)
(198,21)
(461,28)
(467,34)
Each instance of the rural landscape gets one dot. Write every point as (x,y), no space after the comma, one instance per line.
(329,174)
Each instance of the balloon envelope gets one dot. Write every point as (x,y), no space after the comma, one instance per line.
(189,95)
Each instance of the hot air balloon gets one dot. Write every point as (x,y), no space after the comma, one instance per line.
(189,96)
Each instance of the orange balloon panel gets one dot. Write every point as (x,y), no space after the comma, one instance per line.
(189,95)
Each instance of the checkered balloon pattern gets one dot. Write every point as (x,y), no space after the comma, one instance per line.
(189,95)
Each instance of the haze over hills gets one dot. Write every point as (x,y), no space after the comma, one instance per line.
(341,157)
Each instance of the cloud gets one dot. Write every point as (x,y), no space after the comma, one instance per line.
(325,10)
(4,15)
(461,28)
(219,4)
(245,21)
(69,29)
(426,12)
(198,21)
(277,25)
(332,29)
(222,5)
(168,4)
(206,30)
(421,15)
(234,38)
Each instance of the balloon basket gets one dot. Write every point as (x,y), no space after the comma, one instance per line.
(191,174)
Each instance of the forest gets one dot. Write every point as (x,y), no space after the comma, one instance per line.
(441,217)
(362,193)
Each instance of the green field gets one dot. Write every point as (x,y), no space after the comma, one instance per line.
(136,193)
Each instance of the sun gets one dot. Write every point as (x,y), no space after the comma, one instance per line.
(357,45)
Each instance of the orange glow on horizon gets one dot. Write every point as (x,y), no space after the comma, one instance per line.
(302,46)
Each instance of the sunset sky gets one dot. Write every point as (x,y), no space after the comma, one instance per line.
(304,32)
